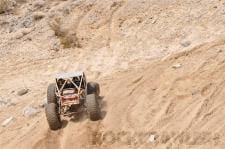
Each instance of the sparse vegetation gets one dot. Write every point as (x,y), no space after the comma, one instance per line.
(70,40)
(38,15)
(67,39)
(6,5)
(55,25)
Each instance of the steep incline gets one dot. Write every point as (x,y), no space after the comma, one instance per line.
(160,64)
(182,106)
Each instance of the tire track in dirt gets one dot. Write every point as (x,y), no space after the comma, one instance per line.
(81,132)
(164,100)
(206,91)
(80,18)
(117,6)
(52,139)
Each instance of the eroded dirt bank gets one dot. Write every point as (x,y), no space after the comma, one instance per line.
(160,65)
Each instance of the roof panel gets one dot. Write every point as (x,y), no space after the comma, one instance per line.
(69,74)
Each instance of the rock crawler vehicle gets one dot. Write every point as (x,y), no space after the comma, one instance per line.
(71,94)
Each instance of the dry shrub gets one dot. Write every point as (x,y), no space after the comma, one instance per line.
(67,39)
(6,5)
(55,25)
(70,40)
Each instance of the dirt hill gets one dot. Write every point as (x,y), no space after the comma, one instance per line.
(160,65)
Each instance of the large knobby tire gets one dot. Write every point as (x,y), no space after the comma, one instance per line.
(93,88)
(93,107)
(52,116)
(51,97)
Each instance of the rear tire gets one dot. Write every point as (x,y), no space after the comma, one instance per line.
(93,88)
(51,97)
(93,107)
(52,116)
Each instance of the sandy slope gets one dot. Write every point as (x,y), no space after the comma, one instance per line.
(183,107)
(124,45)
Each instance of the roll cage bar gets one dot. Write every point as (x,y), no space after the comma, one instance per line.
(70,80)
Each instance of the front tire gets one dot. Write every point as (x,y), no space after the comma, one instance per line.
(93,88)
(51,97)
(93,107)
(52,116)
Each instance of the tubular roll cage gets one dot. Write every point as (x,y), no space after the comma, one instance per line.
(69,78)
(59,90)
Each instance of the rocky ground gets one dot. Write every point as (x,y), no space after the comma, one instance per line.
(160,64)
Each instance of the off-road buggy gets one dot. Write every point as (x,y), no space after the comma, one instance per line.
(71,94)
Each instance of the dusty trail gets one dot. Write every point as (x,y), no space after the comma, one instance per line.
(50,140)
(157,98)
(160,64)
(182,101)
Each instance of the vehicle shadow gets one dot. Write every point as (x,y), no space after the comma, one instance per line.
(79,117)
(103,106)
